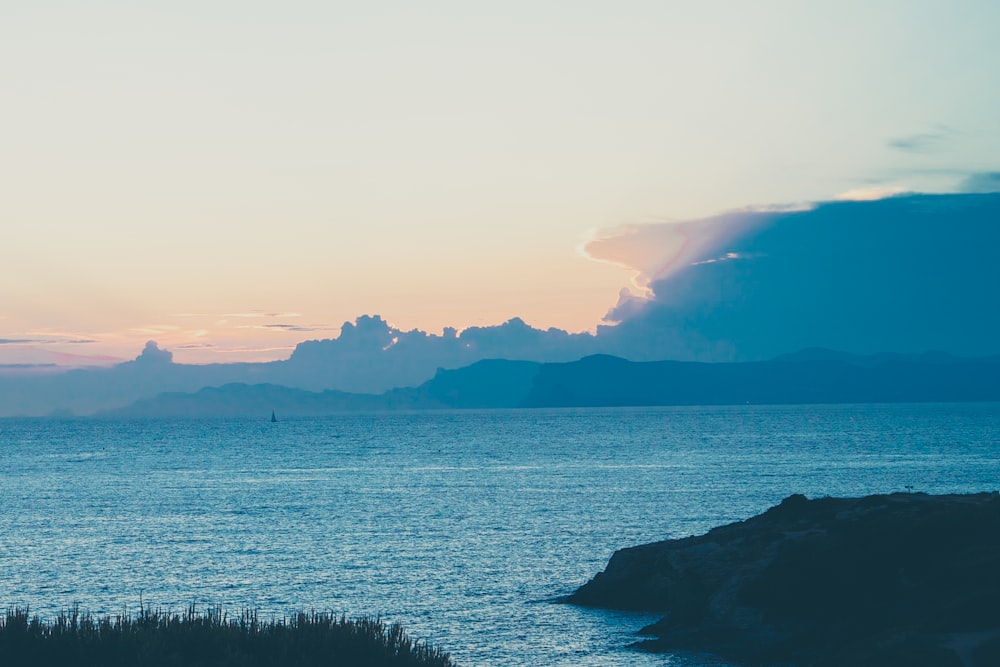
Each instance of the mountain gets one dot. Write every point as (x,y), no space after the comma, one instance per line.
(823,354)
(609,381)
(369,357)
(606,381)
(907,273)
(492,383)
(243,400)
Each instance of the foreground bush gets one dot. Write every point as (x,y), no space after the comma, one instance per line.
(211,639)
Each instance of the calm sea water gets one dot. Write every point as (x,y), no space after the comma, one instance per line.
(463,526)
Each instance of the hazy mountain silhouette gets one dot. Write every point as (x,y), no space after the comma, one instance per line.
(85,391)
(610,381)
(491,383)
(370,356)
(823,354)
(606,381)
(901,275)
(252,400)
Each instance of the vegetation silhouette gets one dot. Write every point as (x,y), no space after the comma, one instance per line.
(154,638)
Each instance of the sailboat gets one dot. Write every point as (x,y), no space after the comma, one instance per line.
(273,418)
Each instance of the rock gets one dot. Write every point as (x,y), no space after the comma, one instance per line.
(902,579)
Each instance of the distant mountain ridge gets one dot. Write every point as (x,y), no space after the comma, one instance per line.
(904,274)
(610,381)
(812,376)
(369,356)
(933,357)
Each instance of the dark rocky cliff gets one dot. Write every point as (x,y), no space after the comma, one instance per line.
(901,579)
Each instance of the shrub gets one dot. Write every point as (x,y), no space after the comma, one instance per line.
(211,639)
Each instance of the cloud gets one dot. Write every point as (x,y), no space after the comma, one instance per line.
(292,327)
(287,327)
(629,306)
(656,251)
(46,341)
(152,355)
(923,142)
(155,329)
(873,193)
(249,314)
(984,182)
(914,143)
(69,359)
(265,348)
(909,273)
(371,355)
(728,257)
(253,314)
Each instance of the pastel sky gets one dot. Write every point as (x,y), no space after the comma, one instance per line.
(230,178)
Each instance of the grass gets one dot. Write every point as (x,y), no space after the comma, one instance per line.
(210,639)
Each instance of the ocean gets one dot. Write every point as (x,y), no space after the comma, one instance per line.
(466,527)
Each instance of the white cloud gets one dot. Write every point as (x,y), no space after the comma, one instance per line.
(872,193)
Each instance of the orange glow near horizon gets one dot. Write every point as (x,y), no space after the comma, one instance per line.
(414,164)
(574,301)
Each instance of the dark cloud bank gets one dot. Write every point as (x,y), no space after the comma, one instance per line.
(908,274)
(905,274)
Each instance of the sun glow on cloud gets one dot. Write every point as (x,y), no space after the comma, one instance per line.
(628,247)
(872,193)
(723,258)
(654,252)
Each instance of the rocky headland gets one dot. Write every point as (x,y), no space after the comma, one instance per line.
(902,579)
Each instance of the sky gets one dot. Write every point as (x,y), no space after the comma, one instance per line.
(231,178)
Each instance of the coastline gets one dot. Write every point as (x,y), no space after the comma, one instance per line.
(899,579)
